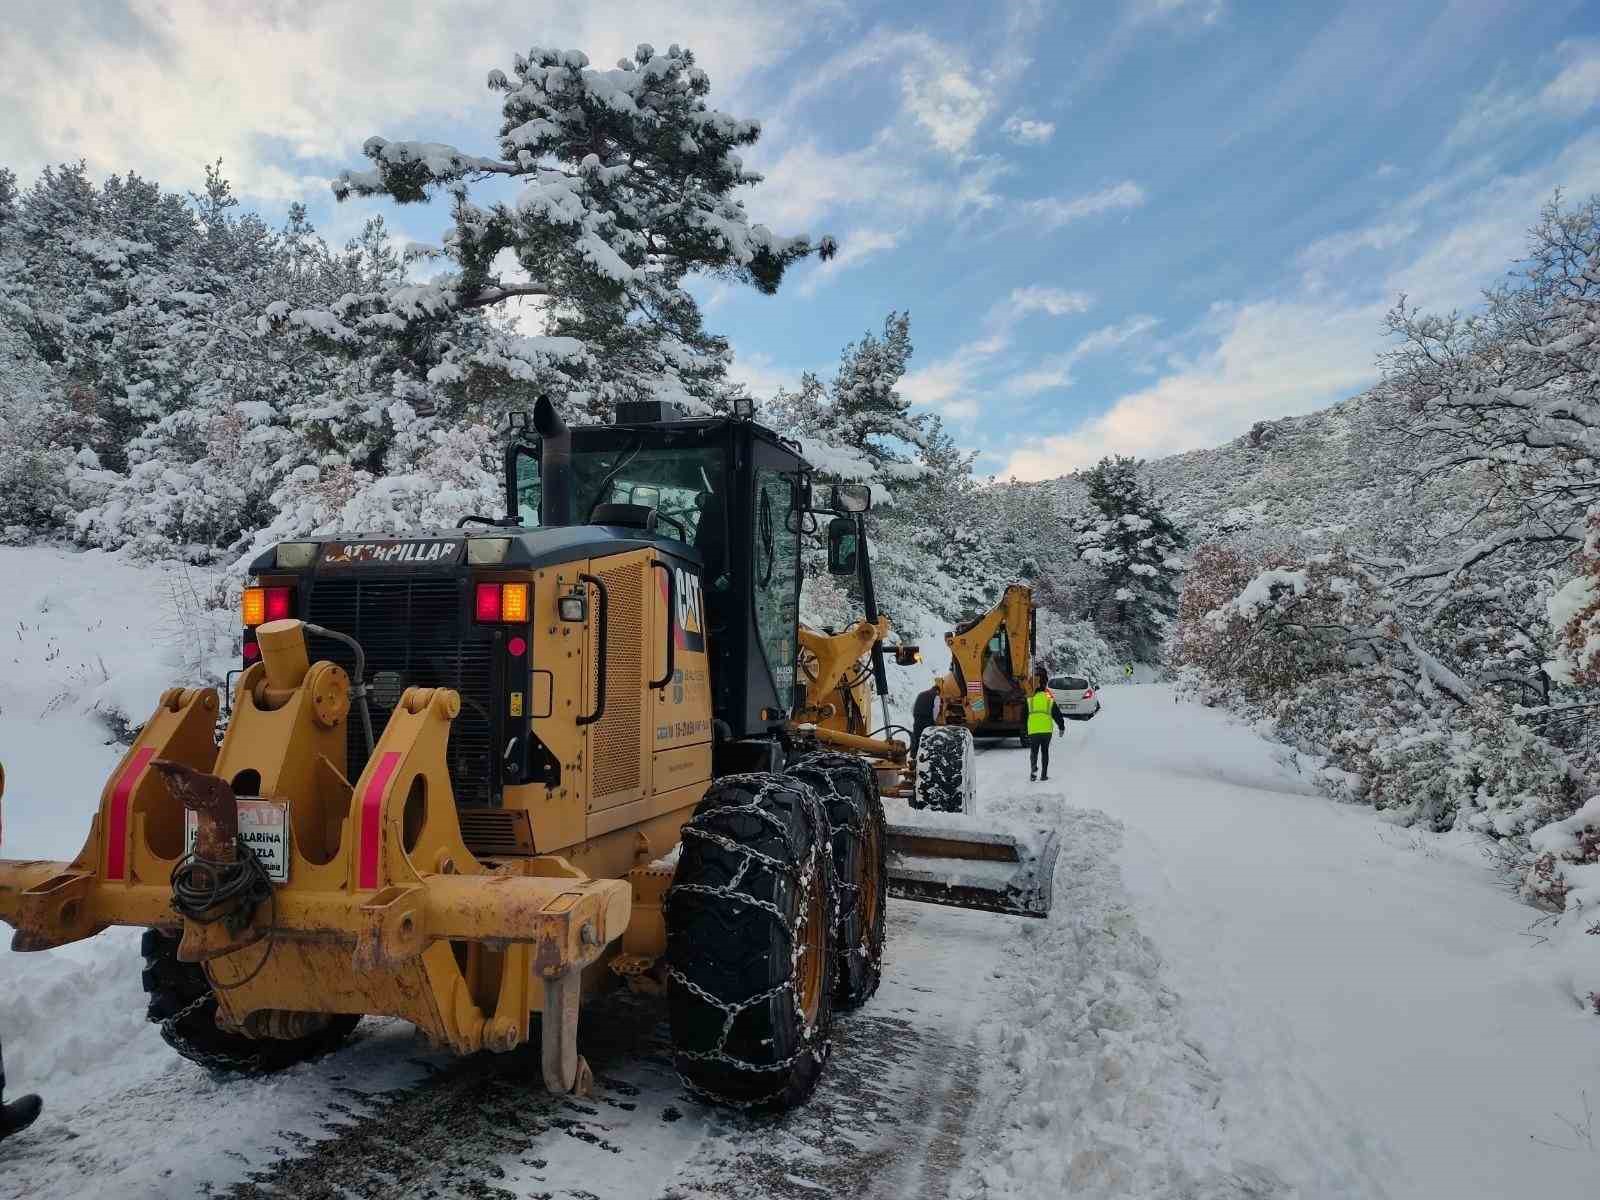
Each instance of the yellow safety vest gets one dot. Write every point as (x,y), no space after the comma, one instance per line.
(1039,711)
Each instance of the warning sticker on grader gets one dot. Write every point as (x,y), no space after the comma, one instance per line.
(264,827)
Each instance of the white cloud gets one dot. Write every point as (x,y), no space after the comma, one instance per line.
(1324,252)
(1026,131)
(806,182)
(1053,212)
(1057,302)
(946,103)
(1055,372)
(1577,88)
(1204,11)
(1482,227)
(167,88)
(854,249)
(1497,109)
(762,376)
(948,386)
(1271,359)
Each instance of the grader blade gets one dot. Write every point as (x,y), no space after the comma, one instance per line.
(994,872)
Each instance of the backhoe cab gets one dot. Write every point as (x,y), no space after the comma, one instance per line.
(471,775)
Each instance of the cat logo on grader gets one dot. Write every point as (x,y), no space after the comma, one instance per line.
(559,702)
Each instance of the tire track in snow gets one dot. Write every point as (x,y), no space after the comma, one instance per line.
(889,1120)
(1093,1087)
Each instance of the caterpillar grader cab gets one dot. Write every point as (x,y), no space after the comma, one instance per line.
(991,676)
(469,776)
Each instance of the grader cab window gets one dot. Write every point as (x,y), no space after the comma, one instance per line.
(681,485)
(776,563)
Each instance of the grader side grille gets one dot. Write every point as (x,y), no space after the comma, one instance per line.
(620,732)
(497,832)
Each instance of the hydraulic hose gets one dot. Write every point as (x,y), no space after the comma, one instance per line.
(358,684)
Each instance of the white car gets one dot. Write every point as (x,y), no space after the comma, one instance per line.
(1077,696)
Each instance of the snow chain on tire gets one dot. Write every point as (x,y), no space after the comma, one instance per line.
(754,870)
(946,774)
(849,789)
(182,1003)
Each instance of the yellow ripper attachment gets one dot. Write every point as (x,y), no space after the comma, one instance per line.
(376,905)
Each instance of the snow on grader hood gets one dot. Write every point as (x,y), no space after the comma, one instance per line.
(469,776)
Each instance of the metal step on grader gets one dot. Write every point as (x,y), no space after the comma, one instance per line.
(470,776)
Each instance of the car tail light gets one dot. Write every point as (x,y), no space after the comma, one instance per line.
(501,603)
(1088,693)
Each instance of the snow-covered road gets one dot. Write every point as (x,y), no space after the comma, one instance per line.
(1377,1006)
(1244,991)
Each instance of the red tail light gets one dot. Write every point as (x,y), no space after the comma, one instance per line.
(1088,693)
(280,603)
(488,606)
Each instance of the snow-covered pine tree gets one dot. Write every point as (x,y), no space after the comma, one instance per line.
(1133,546)
(627,185)
(945,514)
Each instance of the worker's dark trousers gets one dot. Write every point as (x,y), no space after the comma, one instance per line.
(1038,748)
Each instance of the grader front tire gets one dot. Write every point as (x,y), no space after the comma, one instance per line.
(750,957)
(182,1003)
(946,770)
(849,790)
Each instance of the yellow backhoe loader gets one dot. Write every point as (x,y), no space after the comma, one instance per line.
(991,668)
(470,776)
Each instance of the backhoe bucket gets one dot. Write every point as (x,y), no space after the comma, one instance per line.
(994,872)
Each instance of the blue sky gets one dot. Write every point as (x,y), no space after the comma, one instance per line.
(1125,227)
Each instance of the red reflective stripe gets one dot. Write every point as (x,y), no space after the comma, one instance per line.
(371,809)
(121,802)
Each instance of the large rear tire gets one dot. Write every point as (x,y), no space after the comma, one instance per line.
(946,770)
(849,790)
(182,1003)
(750,959)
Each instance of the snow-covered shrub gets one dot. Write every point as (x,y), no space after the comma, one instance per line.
(1325,650)
(1075,646)
(1565,871)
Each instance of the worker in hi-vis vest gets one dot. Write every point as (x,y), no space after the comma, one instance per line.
(1043,711)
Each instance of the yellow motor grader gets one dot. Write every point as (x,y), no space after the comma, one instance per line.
(470,776)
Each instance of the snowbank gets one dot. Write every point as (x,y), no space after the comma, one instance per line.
(92,642)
